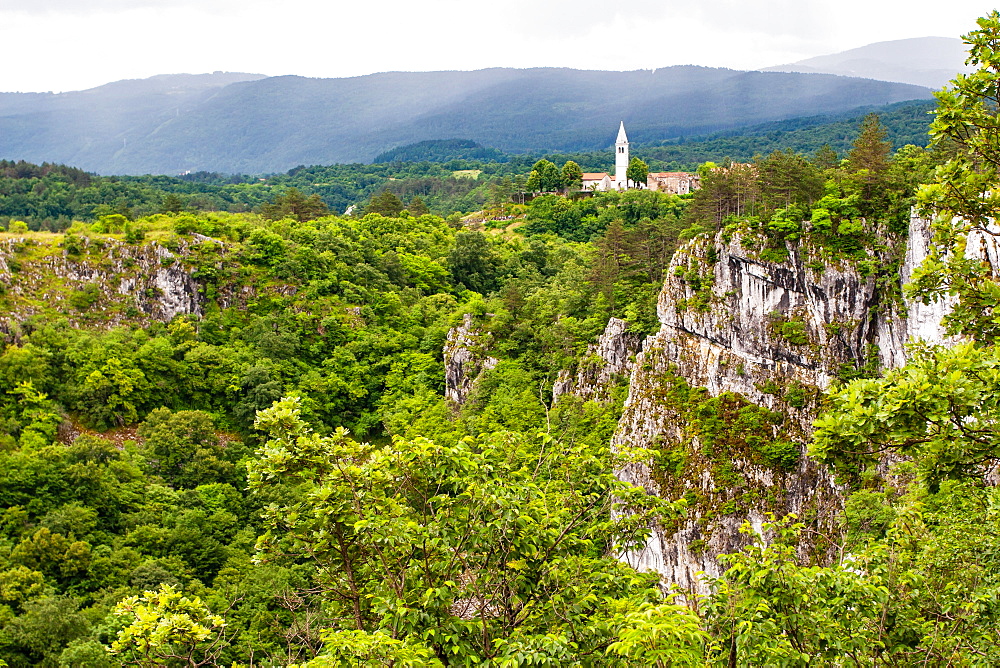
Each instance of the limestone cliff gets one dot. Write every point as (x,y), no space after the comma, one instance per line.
(612,356)
(763,339)
(464,360)
(101,281)
(95,278)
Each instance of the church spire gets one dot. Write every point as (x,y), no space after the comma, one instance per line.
(621,159)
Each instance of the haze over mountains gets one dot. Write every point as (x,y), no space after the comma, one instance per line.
(922,61)
(233,122)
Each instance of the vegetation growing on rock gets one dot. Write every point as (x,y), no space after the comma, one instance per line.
(224,437)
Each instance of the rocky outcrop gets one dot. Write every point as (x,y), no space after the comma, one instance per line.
(169,291)
(923,321)
(611,357)
(755,334)
(99,280)
(464,360)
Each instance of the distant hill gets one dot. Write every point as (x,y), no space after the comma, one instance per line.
(180,123)
(922,61)
(91,127)
(441,150)
(905,123)
(52,196)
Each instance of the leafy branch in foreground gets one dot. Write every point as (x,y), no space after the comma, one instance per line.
(481,549)
(965,196)
(167,628)
(942,409)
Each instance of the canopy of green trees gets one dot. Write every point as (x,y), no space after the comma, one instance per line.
(282,481)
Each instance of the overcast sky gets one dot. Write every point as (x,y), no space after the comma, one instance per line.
(57,45)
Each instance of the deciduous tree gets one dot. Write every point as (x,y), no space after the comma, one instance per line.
(166,627)
(966,195)
(572,175)
(544,177)
(482,549)
(637,172)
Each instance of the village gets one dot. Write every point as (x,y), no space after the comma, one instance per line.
(674,183)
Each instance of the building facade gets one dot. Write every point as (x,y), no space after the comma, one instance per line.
(675,183)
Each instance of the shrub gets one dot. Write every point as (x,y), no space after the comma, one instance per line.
(72,245)
(781,454)
(134,234)
(794,331)
(796,396)
(85,297)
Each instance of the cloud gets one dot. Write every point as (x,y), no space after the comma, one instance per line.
(77,7)
(82,43)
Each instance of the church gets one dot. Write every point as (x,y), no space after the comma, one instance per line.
(602,180)
(675,183)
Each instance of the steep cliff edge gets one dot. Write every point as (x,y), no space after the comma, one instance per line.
(726,392)
(101,281)
(464,360)
(94,279)
(610,358)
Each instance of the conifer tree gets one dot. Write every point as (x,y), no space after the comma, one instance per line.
(171,203)
(293,204)
(825,158)
(416,207)
(385,203)
(870,150)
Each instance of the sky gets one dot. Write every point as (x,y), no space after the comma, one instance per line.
(60,45)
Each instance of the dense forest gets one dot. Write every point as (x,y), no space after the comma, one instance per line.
(275,476)
(448,176)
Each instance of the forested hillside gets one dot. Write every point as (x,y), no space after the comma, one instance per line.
(905,123)
(348,316)
(49,197)
(447,176)
(285,437)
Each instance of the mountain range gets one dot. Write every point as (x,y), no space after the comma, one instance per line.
(249,123)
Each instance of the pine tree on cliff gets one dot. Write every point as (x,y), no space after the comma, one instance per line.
(871,149)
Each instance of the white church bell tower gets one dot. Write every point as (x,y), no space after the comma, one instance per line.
(621,159)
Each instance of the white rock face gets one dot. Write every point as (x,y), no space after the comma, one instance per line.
(613,355)
(723,317)
(464,360)
(923,321)
(171,289)
(178,291)
(564,384)
(129,283)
